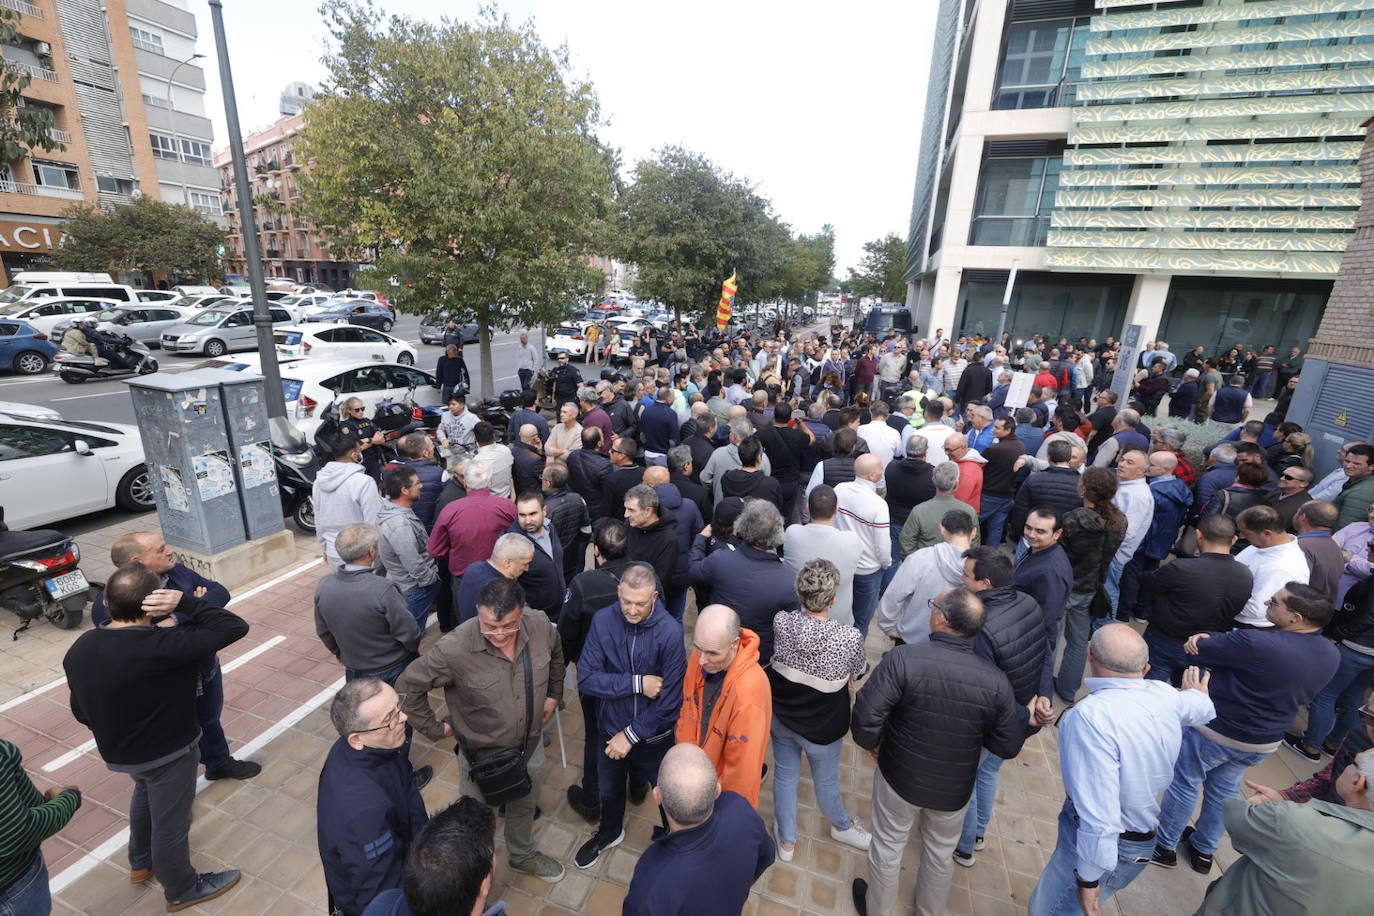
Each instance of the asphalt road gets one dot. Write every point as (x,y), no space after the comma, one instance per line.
(110,401)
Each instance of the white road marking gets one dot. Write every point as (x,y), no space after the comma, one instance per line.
(82,397)
(30,694)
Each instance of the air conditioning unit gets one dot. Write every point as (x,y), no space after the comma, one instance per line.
(42,49)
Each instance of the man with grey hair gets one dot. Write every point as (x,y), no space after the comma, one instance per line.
(367,791)
(904,414)
(727,458)
(511,557)
(1124,434)
(1219,473)
(715,849)
(362,618)
(864,512)
(1117,749)
(653,532)
(466,530)
(922,526)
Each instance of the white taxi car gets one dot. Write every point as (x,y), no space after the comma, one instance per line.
(342,341)
(52,470)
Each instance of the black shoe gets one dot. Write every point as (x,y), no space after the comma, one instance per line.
(234,769)
(1164,858)
(860,894)
(1200,862)
(638,792)
(423,775)
(591,850)
(1295,744)
(589,813)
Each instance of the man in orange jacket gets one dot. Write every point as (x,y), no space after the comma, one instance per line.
(727,705)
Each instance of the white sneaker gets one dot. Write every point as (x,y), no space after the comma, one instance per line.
(855,835)
(978,844)
(784,855)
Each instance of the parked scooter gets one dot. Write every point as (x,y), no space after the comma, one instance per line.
(75,369)
(39,577)
(296,466)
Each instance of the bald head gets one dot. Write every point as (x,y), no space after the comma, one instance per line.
(869,467)
(1162,464)
(738,412)
(529,434)
(716,637)
(1117,650)
(655,475)
(687,786)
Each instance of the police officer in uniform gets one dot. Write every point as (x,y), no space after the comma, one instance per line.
(566,379)
(355,424)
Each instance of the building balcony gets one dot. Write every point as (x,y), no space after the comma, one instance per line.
(41,190)
(61,136)
(273,254)
(23,7)
(35,71)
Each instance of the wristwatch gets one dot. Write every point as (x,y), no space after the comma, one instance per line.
(1085,885)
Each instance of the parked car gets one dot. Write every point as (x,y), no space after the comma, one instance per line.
(24,349)
(568,339)
(52,470)
(433,325)
(307,303)
(342,342)
(356,311)
(157,295)
(143,323)
(195,290)
(45,314)
(52,284)
(363,294)
(217,331)
(27,411)
(206,300)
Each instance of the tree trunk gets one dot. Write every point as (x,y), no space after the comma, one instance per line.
(488,382)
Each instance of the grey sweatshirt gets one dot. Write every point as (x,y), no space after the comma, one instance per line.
(401,547)
(342,495)
(362,619)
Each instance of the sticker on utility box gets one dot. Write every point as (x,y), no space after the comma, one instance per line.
(174,489)
(255,464)
(214,474)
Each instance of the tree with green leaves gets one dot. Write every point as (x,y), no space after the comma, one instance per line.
(144,236)
(880,273)
(686,224)
(22,128)
(807,268)
(461,158)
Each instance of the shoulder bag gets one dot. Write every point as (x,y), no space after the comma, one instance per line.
(503,777)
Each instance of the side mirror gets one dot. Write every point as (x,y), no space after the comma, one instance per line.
(83,448)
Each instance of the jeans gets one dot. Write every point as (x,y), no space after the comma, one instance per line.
(28,894)
(1260,387)
(867,588)
(896,531)
(1344,692)
(790,488)
(993,510)
(592,751)
(676,602)
(1113,587)
(1130,604)
(893,819)
(788,747)
(1077,629)
(385,674)
(1056,893)
(1202,762)
(979,810)
(641,764)
(160,823)
(448,598)
(1167,658)
(525,376)
(214,747)
(519,813)
(420,599)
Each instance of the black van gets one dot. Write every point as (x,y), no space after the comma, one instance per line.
(888,315)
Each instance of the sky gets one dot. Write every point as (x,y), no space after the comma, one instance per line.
(817,104)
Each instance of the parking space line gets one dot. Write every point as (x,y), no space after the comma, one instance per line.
(30,694)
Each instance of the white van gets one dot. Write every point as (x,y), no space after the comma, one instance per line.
(195,290)
(45,284)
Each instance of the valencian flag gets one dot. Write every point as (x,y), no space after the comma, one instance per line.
(727,302)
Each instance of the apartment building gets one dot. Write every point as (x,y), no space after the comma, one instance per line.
(290,246)
(128,105)
(1187,166)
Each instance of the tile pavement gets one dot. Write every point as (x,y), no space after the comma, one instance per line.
(266,826)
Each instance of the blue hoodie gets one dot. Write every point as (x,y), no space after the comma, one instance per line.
(689,522)
(1172,500)
(616,655)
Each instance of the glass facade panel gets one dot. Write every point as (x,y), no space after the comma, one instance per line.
(1053,306)
(1014,200)
(1040,63)
(1250,313)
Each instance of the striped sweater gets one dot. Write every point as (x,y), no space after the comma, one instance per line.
(26,819)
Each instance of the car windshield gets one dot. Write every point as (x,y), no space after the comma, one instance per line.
(210,318)
(567,332)
(11,307)
(14,293)
(115,315)
(291,300)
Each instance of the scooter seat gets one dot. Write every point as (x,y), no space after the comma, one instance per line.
(17,544)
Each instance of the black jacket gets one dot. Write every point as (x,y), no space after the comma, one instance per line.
(587,472)
(1090,546)
(1196,594)
(1054,487)
(751,485)
(693,490)
(588,593)
(974,384)
(656,545)
(1013,638)
(1354,619)
(527,469)
(543,581)
(934,706)
(702,449)
(755,583)
(909,484)
(615,485)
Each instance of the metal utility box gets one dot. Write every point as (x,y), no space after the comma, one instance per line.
(243,395)
(181,418)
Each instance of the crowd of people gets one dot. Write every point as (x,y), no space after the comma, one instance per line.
(1068,562)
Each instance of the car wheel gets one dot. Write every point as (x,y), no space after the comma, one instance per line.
(405,359)
(386,326)
(135,492)
(30,362)
(214,347)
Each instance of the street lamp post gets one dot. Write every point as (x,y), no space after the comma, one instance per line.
(185,193)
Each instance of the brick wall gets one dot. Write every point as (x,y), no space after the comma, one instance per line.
(1346,334)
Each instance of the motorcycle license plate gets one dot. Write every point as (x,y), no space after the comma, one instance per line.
(60,587)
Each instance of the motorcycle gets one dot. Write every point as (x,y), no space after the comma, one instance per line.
(75,369)
(39,577)
(296,466)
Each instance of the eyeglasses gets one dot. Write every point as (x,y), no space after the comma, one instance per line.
(504,631)
(934,606)
(392,718)
(1288,477)
(356,409)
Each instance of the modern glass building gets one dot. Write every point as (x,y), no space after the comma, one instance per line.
(1189,166)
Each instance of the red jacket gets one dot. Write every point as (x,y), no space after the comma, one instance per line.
(466,531)
(737,736)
